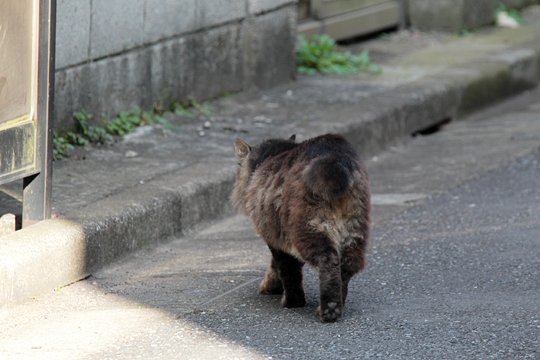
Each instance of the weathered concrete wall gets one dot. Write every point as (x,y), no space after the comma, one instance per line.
(456,15)
(117,54)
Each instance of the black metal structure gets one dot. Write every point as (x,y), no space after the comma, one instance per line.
(27,33)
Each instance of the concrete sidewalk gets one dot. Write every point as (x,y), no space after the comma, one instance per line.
(113,200)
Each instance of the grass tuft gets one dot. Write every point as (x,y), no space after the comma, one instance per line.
(320,55)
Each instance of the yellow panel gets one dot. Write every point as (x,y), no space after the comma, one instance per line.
(16,70)
(17,150)
(17,125)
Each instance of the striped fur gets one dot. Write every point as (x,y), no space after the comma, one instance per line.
(310,202)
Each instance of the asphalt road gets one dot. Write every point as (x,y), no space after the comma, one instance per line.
(455,278)
(453,271)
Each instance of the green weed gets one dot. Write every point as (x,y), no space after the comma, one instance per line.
(125,122)
(512,13)
(190,108)
(122,124)
(321,55)
(61,146)
(89,133)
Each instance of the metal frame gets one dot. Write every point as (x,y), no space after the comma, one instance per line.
(37,188)
(36,131)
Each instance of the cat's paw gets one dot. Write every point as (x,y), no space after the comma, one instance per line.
(289,301)
(331,312)
(270,287)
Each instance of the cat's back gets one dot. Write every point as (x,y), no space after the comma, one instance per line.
(283,157)
(319,184)
(323,167)
(328,145)
(326,167)
(329,193)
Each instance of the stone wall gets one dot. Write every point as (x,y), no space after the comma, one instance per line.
(456,15)
(113,55)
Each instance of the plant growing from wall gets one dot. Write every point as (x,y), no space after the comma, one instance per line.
(124,123)
(190,108)
(320,54)
(88,133)
(61,146)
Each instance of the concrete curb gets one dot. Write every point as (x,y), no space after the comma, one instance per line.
(70,249)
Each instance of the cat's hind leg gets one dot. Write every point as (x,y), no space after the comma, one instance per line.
(271,284)
(320,252)
(290,272)
(353,260)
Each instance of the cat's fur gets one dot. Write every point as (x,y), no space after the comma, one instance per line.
(310,202)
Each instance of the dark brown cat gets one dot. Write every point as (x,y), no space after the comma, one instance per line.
(310,202)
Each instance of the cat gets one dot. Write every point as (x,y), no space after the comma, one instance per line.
(310,202)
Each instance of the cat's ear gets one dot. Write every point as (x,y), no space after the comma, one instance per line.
(293,137)
(241,149)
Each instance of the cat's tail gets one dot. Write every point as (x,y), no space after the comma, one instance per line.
(329,176)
